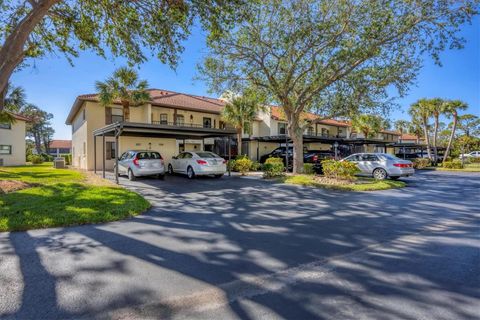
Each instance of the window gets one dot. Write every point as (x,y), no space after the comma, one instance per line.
(310,131)
(282,128)
(117,115)
(221,125)
(207,122)
(325,132)
(110,152)
(5,149)
(83,114)
(180,120)
(246,130)
(163,118)
(5,126)
(84,148)
(369,157)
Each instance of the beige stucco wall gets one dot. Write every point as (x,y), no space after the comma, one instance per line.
(166,147)
(14,137)
(263,148)
(318,146)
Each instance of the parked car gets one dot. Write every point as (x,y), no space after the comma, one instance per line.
(381,165)
(316,157)
(309,156)
(136,163)
(473,154)
(198,163)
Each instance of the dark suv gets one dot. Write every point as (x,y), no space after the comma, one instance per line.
(309,156)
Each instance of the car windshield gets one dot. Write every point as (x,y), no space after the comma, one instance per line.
(148,155)
(207,155)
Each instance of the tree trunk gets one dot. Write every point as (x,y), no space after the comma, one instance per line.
(427,139)
(452,134)
(435,133)
(38,143)
(126,111)
(12,51)
(239,141)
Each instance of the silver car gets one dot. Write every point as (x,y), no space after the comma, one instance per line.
(136,163)
(381,165)
(198,163)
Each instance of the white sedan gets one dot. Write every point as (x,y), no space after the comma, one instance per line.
(198,163)
(473,154)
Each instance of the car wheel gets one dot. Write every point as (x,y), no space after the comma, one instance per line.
(170,169)
(131,176)
(218,176)
(379,174)
(161,176)
(190,173)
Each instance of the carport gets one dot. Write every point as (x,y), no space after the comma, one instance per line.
(132,129)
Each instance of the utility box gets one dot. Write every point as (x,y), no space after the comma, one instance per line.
(59,162)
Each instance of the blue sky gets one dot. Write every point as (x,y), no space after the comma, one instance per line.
(52,83)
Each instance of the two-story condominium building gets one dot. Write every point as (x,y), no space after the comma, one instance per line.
(170,123)
(12,141)
(173,122)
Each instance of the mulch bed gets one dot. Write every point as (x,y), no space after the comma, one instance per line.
(7,186)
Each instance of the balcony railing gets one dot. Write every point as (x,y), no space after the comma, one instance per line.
(190,125)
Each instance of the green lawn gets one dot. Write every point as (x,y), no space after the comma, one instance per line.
(62,197)
(469,167)
(366,185)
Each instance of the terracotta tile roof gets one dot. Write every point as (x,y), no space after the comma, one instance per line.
(63,144)
(19,117)
(407,136)
(160,97)
(395,133)
(278,114)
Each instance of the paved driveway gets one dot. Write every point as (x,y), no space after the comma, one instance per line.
(249,249)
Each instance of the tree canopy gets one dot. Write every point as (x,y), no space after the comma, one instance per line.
(334,57)
(134,29)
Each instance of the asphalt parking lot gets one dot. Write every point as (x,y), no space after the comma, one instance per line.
(244,248)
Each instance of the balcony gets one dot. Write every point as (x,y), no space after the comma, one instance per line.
(190,125)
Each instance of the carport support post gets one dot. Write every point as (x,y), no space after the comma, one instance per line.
(229,156)
(103,155)
(116,156)
(94,154)
(286,152)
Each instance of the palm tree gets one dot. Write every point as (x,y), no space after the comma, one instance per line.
(401,126)
(420,112)
(436,108)
(368,124)
(240,112)
(450,109)
(14,101)
(124,86)
(415,128)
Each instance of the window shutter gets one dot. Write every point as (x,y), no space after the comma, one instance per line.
(108,115)
(108,152)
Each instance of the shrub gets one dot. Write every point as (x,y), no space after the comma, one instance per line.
(231,165)
(256,166)
(474,160)
(243,165)
(68,158)
(308,168)
(421,163)
(344,170)
(455,164)
(273,167)
(35,159)
(46,157)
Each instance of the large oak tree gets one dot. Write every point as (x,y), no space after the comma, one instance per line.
(334,57)
(33,28)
